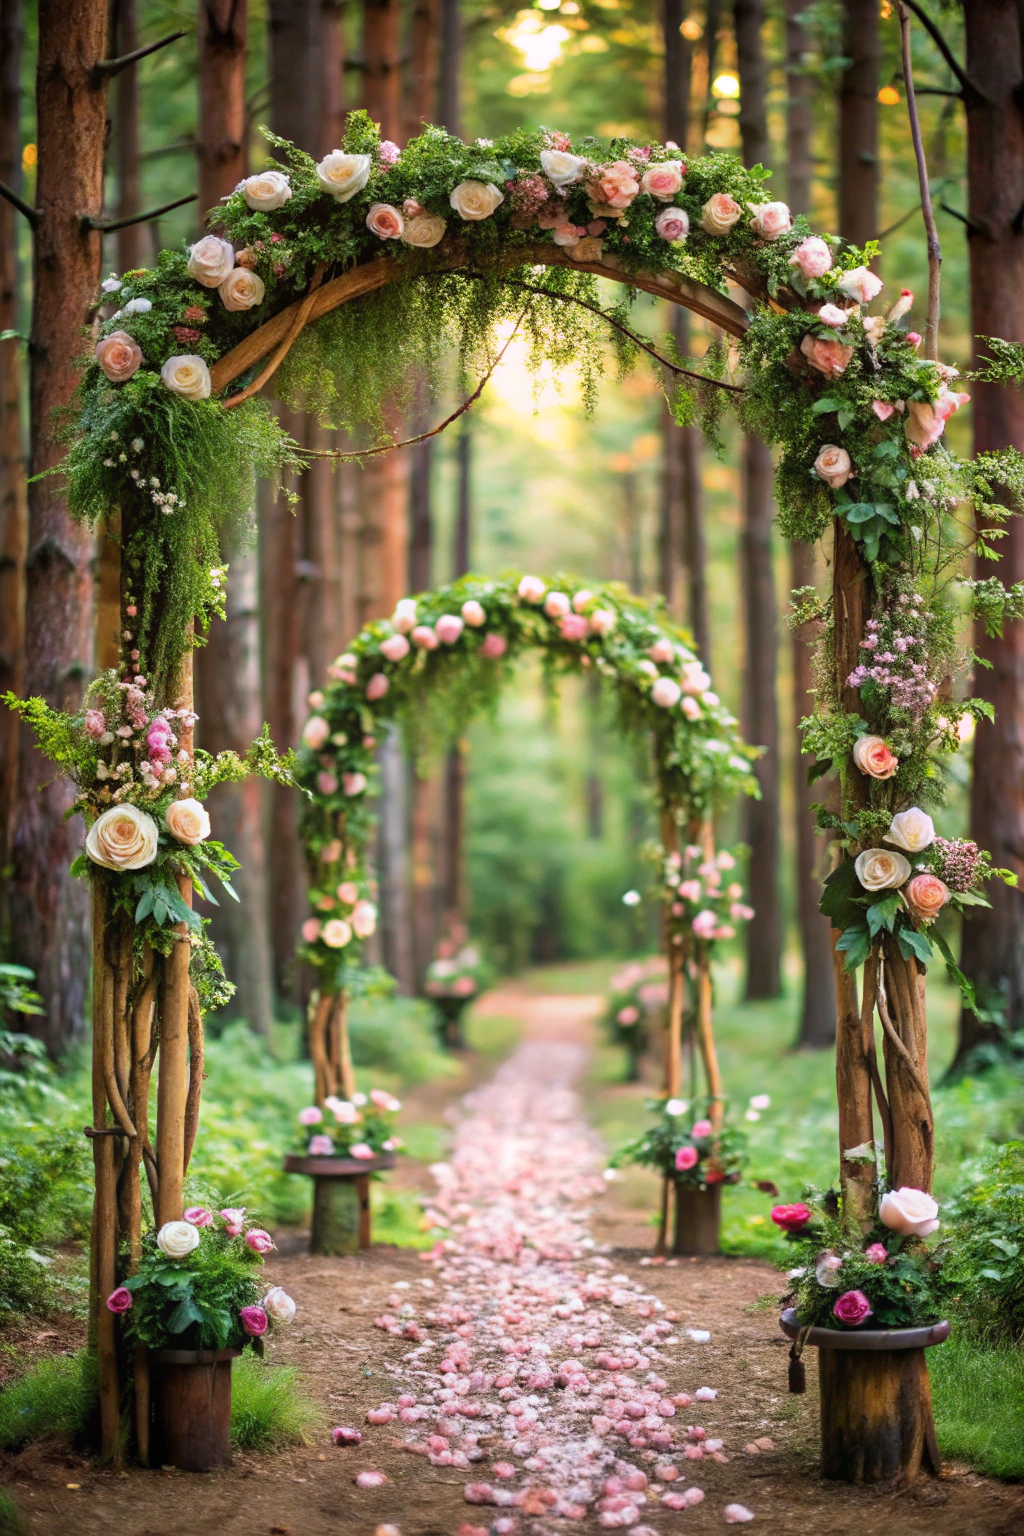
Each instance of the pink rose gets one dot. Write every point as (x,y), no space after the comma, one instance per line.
(120,1301)
(831,314)
(876,1253)
(663,182)
(686,1157)
(315,732)
(665,692)
(254,1320)
(493,647)
(791,1218)
(720,213)
(860,284)
(812,258)
(119,356)
(345,1436)
(95,724)
(701,1130)
(909,1211)
(556,605)
(672,224)
(531,589)
(348,892)
(464,986)
(379,683)
(872,756)
(353,783)
(913,338)
(320,1146)
(424,637)
(412,209)
(574,626)
(364,919)
(662,650)
(361,1150)
(627,1016)
(833,465)
(926,895)
(233,1217)
(473,613)
(740,912)
(198,1216)
(311,930)
(448,628)
(394,648)
(926,423)
(852,1308)
(883,409)
(829,357)
(690,890)
(770,220)
(385,221)
(259,1241)
(311,1115)
(614,185)
(326,783)
(704,924)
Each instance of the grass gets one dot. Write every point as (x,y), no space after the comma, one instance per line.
(11,1523)
(978,1394)
(55,1397)
(269,1410)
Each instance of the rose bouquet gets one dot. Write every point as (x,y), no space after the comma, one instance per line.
(639,993)
(361,1127)
(198,1285)
(885,1278)
(702,904)
(684,1146)
(456,971)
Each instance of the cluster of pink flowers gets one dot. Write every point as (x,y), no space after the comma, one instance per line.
(957,862)
(694,881)
(362,1125)
(138,761)
(897,658)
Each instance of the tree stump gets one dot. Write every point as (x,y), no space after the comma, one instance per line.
(193,1408)
(341,1200)
(698,1219)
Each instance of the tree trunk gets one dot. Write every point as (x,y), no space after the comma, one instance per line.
(993,942)
(858,122)
(382,70)
(876,1415)
(448,106)
(421,92)
(453,898)
(333,32)
(49,910)
(131,242)
(818,1005)
(13,496)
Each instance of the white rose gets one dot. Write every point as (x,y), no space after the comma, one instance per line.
(188,821)
(912,830)
(827,1269)
(676,1107)
(404,617)
(473,200)
(531,589)
(343,175)
(909,1211)
(241,289)
(122,838)
(833,465)
(187,376)
(268,190)
(878,869)
(559,167)
(138,307)
(278,1305)
(666,692)
(177,1238)
(424,231)
(770,220)
(860,284)
(210,260)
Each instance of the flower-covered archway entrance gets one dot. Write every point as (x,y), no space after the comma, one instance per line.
(442,241)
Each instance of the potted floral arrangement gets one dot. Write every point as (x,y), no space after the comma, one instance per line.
(342,1143)
(454,977)
(685,1147)
(702,904)
(195,1301)
(871,1304)
(639,993)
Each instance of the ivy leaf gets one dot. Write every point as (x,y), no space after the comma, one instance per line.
(913,942)
(882,914)
(888,448)
(837,897)
(856,941)
(819,769)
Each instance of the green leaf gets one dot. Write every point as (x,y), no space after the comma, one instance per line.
(185,1313)
(860,512)
(887,513)
(856,941)
(882,914)
(888,448)
(846,415)
(826,404)
(913,942)
(819,769)
(991,1274)
(145,905)
(837,897)
(970,899)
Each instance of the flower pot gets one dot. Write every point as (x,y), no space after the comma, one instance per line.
(449,1020)
(698,1218)
(876,1406)
(192,1407)
(341,1200)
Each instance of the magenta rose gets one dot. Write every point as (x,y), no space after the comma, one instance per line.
(876,1253)
(852,1308)
(259,1241)
(254,1320)
(701,1130)
(791,1218)
(120,1300)
(686,1157)
(199,1216)
(493,647)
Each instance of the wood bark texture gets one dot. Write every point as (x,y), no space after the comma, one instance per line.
(858,122)
(876,1415)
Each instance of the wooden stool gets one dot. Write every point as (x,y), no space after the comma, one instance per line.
(698,1218)
(341,1199)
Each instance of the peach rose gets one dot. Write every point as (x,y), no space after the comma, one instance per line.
(833,466)
(531,589)
(720,213)
(926,895)
(424,231)
(556,605)
(829,357)
(188,821)
(614,186)
(872,756)
(385,221)
(241,289)
(475,200)
(860,284)
(315,732)
(473,613)
(770,220)
(926,422)
(119,355)
(364,919)
(663,181)
(812,258)
(404,617)
(336,933)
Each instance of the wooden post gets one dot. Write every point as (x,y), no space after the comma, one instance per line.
(901,1007)
(706,1040)
(344,1070)
(876,1415)
(698,1218)
(103,1253)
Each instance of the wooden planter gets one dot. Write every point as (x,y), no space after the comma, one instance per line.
(192,1414)
(876,1404)
(341,1199)
(698,1218)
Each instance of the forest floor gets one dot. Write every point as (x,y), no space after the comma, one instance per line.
(535,1228)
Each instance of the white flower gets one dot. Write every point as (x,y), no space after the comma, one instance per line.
(241,289)
(404,617)
(559,167)
(474,200)
(912,830)
(187,376)
(188,821)
(138,307)
(122,838)
(531,589)
(676,1107)
(265,191)
(760,1101)
(878,869)
(424,231)
(827,1269)
(336,933)
(343,175)
(860,284)
(210,260)
(666,692)
(278,1305)
(770,220)
(177,1239)
(111,284)
(909,1211)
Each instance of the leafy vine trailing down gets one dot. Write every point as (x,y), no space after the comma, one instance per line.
(444,656)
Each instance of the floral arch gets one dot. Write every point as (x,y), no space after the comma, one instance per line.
(169,428)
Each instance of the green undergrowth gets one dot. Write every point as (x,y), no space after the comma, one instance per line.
(978,1394)
(11,1523)
(269,1409)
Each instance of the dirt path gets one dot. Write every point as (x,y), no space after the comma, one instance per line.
(525,1364)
